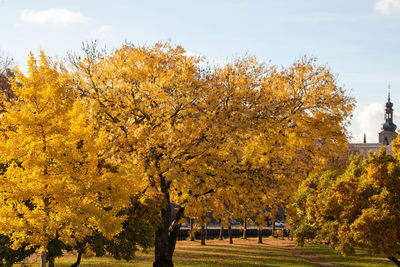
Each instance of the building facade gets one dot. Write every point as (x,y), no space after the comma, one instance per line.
(386,136)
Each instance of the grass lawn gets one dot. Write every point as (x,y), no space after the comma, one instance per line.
(327,254)
(221,253)
(215,253)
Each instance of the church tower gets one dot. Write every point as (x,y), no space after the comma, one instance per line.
(389,128)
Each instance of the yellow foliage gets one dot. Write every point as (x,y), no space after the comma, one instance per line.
(53,185)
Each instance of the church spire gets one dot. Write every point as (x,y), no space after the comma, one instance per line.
(389,128)
(389,125)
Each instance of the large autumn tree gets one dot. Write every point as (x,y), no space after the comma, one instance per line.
(53,186)
(187,132)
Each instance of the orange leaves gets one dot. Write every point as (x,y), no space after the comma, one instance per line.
(234,136)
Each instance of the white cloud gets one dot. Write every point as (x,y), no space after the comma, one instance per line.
(52,16)
(387,6)
(371,119)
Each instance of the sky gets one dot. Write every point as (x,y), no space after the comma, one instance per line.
(359,39)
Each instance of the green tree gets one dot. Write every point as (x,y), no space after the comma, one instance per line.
(358,208)
(140,223)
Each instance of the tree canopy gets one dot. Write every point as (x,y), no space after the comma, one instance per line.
(199,136)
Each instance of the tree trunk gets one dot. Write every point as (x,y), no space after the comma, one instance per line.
(192,232)
(51,262)
(394,260)
(165,239)
(273,228)
(244,229)
(167,233)
(230,234)
(221,232)
(259,233)
(163,255)
(44,259)
(203,235)
(78,260)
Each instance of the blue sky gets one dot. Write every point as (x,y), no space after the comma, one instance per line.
(358,39)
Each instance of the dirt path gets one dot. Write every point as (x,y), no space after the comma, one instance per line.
(287,245)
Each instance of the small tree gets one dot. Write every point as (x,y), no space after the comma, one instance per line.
(137,234)
(359,208)
(9,256)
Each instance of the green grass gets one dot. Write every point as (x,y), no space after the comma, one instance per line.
(215,253)
(241,253)
(361,258)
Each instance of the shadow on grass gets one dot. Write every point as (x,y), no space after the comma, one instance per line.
(226,255)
